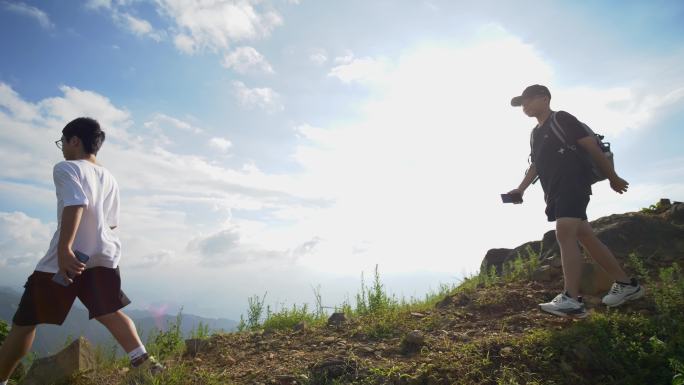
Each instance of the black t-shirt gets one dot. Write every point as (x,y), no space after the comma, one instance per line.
(559,168)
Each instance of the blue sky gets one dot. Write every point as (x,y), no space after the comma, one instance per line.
(277,145)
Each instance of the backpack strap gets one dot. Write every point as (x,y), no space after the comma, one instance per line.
(559,131)
(530,158)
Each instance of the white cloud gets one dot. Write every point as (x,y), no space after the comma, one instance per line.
(220,143)
(156,259)
(437,143)
(139,27)
(95,4)
(23,240)
(226,248)
(363,70)
(30,11)
(184,43)
(214,24)
(76,102)
(318,57)
(246,59)
(17,107)
(614,111)
(162,121)
(263,98)
(163,189)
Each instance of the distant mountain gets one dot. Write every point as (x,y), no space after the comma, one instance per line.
(51,338)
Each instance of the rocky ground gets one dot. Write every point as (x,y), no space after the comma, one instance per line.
(345,353)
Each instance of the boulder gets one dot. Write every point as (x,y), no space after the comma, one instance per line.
(658,239)
(676,213)
(495,257)
(78,357)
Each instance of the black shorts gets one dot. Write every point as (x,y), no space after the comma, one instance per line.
(567,206)
(46,302)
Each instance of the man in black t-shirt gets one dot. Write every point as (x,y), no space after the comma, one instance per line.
(566,181)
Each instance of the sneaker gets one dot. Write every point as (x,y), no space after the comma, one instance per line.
(144,368)
(565,306)
(622,292)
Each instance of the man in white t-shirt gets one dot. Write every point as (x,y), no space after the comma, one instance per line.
(87,214)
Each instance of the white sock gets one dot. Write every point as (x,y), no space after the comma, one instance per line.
(4,382)
(133,354)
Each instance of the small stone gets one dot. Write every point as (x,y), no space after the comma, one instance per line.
(337,319)
(444,302)
(230,360)
(366,350)
(415,337)
(417,315)
(301,326)
(506,351)
(554,261)
(546,273)
(286,379)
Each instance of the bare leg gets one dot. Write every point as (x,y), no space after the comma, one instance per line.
(571,258)
(600,253)
(14,348)
(123,330)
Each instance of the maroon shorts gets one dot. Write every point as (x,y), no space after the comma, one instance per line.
(46,302)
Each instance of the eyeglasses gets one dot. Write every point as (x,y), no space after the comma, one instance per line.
(59,143)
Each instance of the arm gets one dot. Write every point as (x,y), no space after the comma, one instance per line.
(71,218)
(588,143)
(527,180)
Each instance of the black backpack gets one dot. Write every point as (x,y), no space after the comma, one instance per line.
(596,173)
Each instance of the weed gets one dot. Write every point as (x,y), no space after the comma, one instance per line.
(255,310)
(167,343)
(201,332)
(669,294)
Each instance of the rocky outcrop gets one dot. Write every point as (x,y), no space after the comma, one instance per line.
(655,235)
(75,358)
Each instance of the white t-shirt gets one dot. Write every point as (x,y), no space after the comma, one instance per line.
(82,183)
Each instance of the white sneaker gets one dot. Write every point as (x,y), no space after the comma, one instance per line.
(623,292)
(565,306)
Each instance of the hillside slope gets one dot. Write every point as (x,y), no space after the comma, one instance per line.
(487,330)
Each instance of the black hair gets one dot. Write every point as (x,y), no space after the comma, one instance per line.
(88,130)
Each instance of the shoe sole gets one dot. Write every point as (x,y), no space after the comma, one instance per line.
(564,315)
(631,297)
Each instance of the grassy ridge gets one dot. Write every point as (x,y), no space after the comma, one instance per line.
(485,330)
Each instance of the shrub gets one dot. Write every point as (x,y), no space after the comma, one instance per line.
(167,343)
(4,330)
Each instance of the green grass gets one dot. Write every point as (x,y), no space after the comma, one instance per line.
(380,314)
